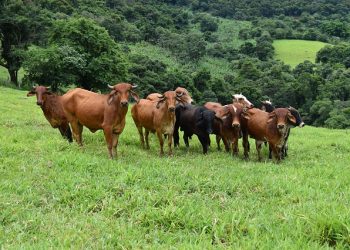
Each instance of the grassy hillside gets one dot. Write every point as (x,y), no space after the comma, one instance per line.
(55,194)
(294,52)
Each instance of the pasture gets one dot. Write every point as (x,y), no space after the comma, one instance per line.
(293,52)
(58,195)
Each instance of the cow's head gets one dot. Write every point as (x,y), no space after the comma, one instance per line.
(267,106)
(122,90)
(239,98)
(184,95)
(40,92)
(281,117)
(205,120)
(299,122)
(232,111)
(169,98)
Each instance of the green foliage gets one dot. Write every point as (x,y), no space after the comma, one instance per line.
(85,55)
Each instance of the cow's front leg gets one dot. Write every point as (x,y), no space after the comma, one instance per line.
(115,144)
(161,142)
(170,140)
(245,143)
(109,140)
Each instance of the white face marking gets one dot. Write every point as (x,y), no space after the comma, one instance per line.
(234,108)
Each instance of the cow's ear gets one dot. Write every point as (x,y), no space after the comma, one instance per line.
(135,96)
(222,113)
(111,97)
(31,93)
(272,116)
(160,102)
(291,118)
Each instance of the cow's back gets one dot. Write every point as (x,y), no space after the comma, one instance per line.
(256,125)
(85,106)
(142,113)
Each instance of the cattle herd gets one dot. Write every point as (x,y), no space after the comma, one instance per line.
(164,114)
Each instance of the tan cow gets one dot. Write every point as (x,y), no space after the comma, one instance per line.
(156,116)
(96,111)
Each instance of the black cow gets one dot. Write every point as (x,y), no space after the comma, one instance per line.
(194,120)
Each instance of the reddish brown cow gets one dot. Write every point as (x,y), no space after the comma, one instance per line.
(50,104)
(181,92)
(156,116)
(96,111)
(262,126)
(229,127)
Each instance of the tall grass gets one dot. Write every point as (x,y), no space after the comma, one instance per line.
(58,195)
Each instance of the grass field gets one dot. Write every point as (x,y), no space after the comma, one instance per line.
(293,52)
(57,195)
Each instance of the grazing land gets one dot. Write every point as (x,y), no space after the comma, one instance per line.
(293,52)
(58,195)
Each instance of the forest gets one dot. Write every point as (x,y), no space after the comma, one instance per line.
(212,48)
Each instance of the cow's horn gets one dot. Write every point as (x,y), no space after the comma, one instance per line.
(111,87)
(133,86)
(179,94)
(49,87)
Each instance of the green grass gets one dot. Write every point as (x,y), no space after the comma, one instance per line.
(58,195)
(293,52)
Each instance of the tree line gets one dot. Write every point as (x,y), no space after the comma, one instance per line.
(87,44)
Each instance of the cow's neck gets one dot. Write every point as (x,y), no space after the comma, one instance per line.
(167,117)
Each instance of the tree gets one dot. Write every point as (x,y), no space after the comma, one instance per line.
(15,29)
(99,60)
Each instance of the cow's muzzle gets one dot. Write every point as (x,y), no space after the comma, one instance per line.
(39,103)
(301,124)
(236,125)
(280,126)
(171,109)
(124,104)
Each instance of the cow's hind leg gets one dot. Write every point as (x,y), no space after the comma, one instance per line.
(146,137)
(142,140)
(258,145)
(218,139)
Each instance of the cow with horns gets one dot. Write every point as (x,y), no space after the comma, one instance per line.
(269,107)
(182,92)
(158,117)
(51,106)
(263,126)
(97,111)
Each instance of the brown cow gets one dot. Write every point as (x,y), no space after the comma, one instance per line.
(262,126)
(181,92)
(156,116)
(96,111)
(229,127)
(50,104)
